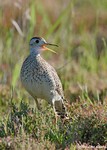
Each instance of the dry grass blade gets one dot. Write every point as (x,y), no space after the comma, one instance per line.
(17,28)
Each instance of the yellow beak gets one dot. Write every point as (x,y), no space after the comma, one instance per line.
(46,48)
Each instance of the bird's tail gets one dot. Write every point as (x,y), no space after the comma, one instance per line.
(60,109)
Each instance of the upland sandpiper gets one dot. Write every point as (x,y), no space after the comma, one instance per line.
(40,79)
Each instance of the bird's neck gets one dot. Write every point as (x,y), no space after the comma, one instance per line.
(35,51)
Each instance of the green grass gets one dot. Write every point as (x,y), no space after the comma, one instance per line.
(79,28)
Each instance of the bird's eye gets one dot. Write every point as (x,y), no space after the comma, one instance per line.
(37,41)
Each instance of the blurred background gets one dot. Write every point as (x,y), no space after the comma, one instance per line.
(79,27)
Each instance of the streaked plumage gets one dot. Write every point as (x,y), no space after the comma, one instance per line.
(40,79)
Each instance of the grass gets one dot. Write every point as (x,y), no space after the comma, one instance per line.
(79,28)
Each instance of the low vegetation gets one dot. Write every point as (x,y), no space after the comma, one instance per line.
(79,28)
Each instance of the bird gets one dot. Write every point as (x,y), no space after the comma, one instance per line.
(40,79)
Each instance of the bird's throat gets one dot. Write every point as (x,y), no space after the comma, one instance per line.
(35,51)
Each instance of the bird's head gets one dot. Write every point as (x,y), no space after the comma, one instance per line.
(38,44)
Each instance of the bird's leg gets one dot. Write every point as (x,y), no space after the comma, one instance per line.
(37,104)
(56,115)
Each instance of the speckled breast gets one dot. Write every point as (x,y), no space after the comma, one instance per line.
(37,78)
